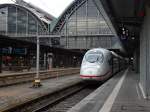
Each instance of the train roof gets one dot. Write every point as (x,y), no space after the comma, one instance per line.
(102,49)
(105,51)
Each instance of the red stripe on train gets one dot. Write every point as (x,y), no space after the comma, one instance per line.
(96,76)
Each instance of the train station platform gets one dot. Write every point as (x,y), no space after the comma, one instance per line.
(14,95)
(119,94)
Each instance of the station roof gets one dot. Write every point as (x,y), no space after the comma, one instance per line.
(41,14)
(128,14)
(22,7)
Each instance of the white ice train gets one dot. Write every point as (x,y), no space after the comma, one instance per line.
(99,64)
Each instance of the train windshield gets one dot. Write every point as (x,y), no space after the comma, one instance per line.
(93,57)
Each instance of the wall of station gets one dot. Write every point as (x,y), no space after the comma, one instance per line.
(88,42)
(17,58)
(145,54)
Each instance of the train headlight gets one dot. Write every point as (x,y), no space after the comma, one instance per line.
(97,66)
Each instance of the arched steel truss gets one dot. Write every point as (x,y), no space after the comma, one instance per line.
(67,13)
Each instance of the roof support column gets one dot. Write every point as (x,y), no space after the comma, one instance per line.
(0,60)
(16,20)
(37,81)
(7,22)
(86,22)
(27,22)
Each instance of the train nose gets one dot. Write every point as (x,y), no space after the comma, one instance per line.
(89,72)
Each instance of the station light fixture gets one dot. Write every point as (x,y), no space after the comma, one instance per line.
(133,38)
(124,32)
(127,32)
(123,29)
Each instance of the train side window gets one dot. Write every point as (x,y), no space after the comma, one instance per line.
(110,61)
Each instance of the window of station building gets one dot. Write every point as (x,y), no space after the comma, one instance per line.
(12,19)
(63,41)
(73,16)
(21,21)
(93,30)
(91,3)
(71,23)
(81,13)
(92,12)
(88,41)
(109,42)
(72,31)
(96,41)
(86,19)
(93,26)
(32,24)
(81,24)
(40,29)
(3,19)
(91,42)
(84,42)
(81,20)
(71,42)
(82,31)
(104,42)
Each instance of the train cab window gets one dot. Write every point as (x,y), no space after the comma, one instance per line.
(93,57)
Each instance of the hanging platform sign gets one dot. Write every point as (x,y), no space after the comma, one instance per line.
(17,51)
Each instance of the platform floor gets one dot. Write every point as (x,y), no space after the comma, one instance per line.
(17,94)
(26,71)
(130,98)
(119,94)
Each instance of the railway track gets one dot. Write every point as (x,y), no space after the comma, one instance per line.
(62,100)
(65,104)
(17,78)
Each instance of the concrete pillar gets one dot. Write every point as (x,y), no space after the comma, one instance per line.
(145,55)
